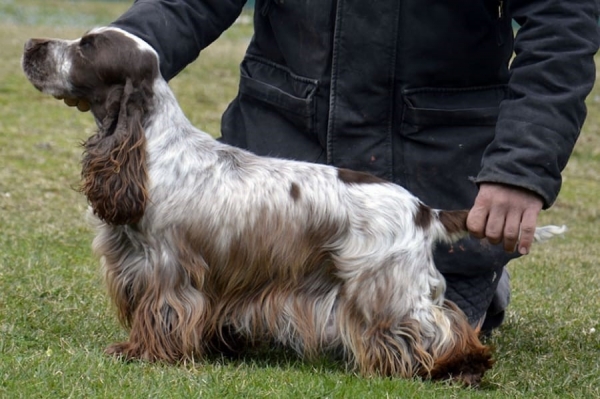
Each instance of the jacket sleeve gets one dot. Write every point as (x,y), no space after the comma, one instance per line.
(552,73)
(179,29)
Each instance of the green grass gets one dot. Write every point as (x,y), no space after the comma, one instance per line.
(55,319)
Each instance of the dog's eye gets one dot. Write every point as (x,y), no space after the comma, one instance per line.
(86,42)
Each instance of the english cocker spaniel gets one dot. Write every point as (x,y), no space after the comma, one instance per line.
(204,244)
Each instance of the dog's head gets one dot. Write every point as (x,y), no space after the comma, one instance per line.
(91,68)
(114,72)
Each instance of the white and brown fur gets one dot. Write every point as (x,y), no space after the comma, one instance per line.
(204,244)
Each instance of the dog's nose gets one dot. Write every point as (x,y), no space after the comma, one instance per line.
(33,43)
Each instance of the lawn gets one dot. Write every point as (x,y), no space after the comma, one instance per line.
(55,318)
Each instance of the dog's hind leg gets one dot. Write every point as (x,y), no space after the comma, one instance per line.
(374,318)
(393,321)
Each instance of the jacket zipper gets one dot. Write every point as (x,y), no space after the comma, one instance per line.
(500,23)
(266,7)
(264,10)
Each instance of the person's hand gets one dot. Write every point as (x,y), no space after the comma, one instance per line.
(81,105)
(505,214)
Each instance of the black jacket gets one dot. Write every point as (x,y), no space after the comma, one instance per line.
(418,92)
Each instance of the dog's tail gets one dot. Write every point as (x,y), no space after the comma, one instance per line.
(450,226)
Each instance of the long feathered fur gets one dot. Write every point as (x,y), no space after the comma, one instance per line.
(114,175)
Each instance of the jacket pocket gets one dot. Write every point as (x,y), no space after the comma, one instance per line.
(275,112)
(280,91)
(443,135)
(452,107)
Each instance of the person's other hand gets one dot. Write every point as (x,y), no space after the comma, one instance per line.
(505,214)
(81,105)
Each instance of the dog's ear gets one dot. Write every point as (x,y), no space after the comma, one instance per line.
(114,174)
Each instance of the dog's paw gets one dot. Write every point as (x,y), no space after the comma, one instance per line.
(123,351)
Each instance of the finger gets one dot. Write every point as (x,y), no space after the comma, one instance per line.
(495,226)
(476,220)
(71,102)
(528,224)
(511,231)
(83,106)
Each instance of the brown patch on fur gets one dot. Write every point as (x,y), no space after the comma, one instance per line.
(454,221)
(106,60)
(423,216)
(353,177)
(295,192)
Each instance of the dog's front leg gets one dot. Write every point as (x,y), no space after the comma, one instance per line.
(168,327)
(159,299)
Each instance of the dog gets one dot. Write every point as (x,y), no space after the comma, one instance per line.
(204,244)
